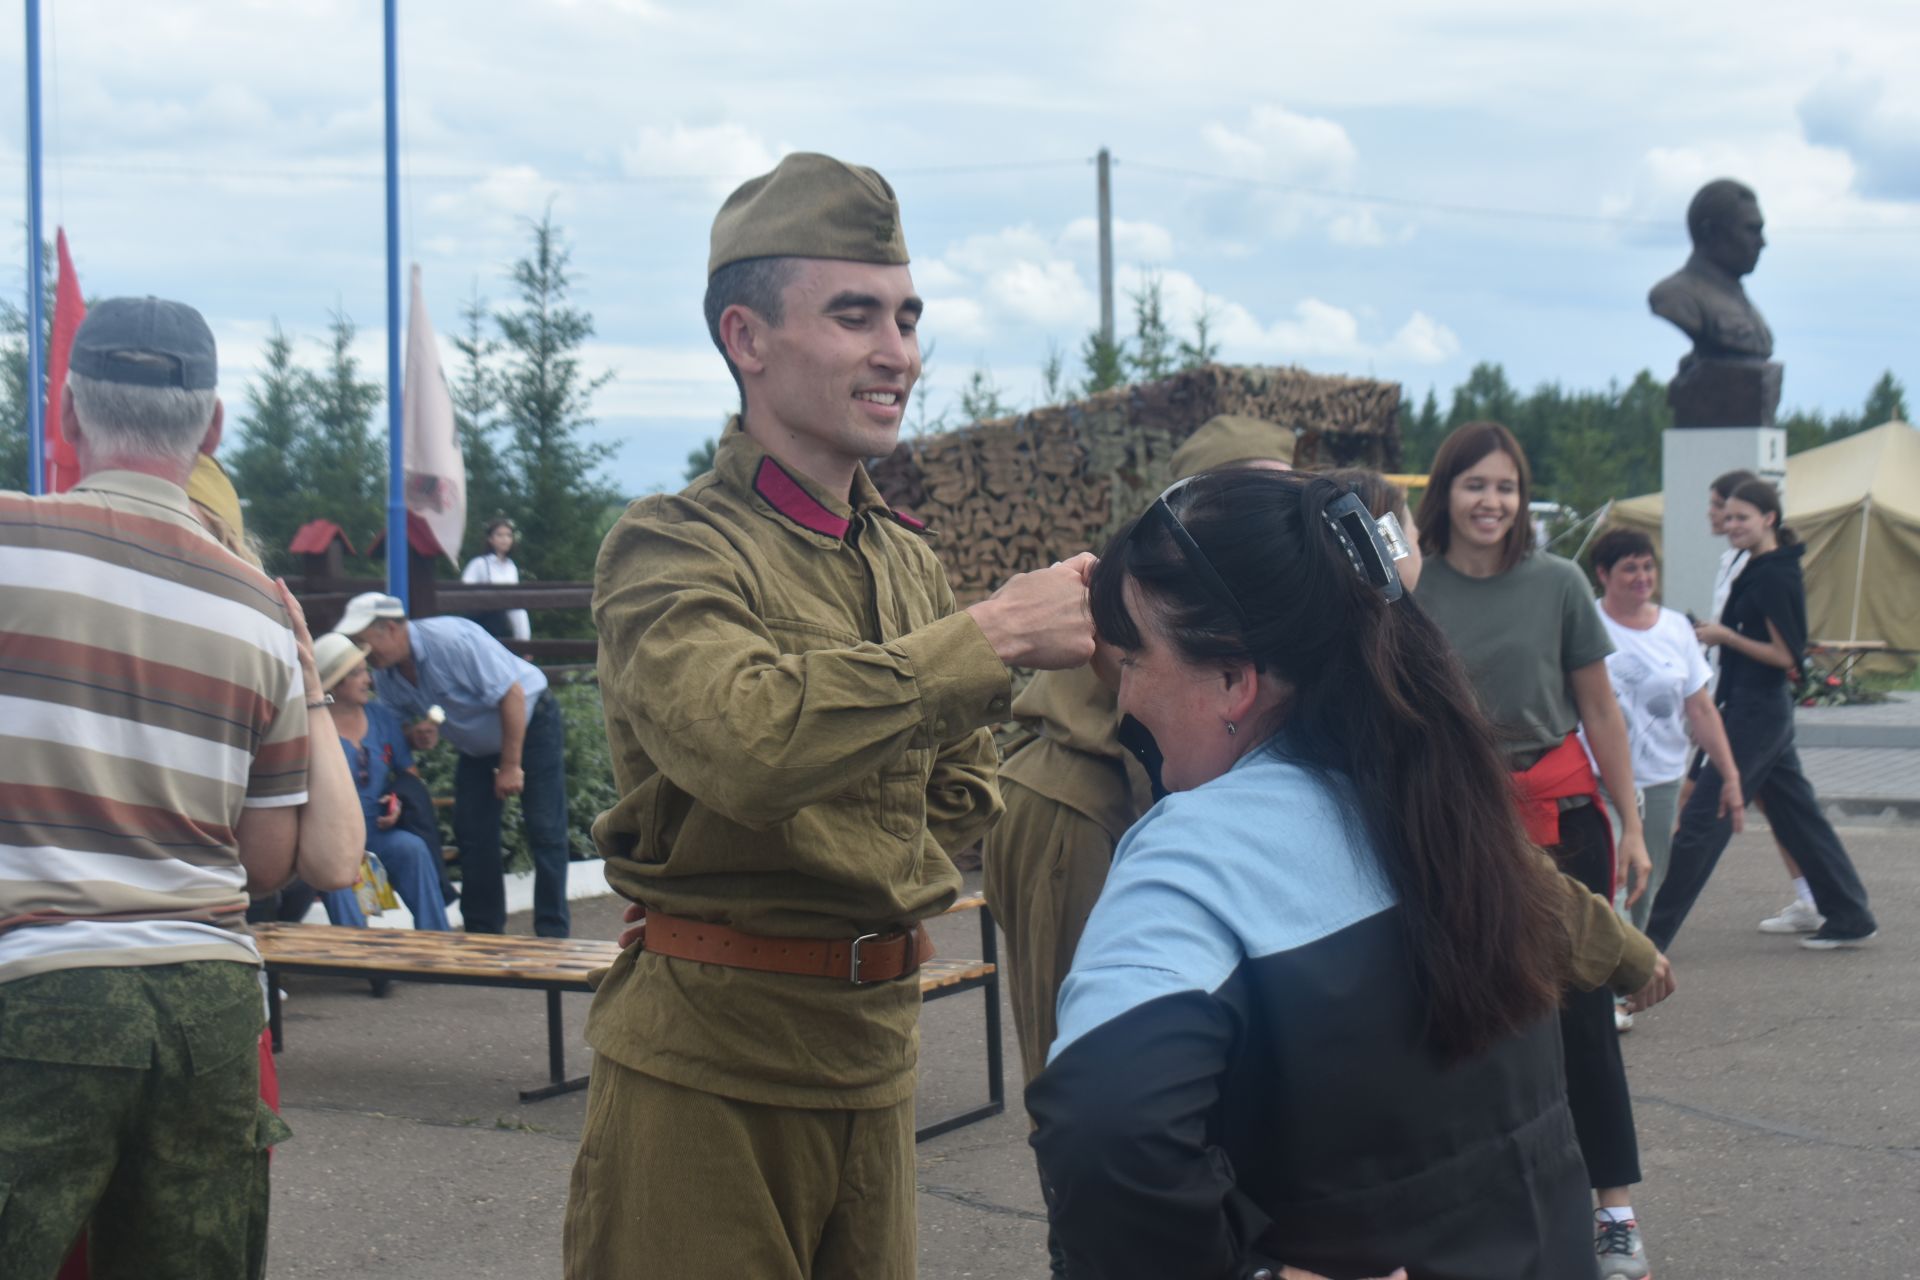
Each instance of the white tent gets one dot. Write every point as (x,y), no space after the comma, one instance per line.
(1856,504)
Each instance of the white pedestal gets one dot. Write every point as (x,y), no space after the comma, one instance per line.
(1691,459)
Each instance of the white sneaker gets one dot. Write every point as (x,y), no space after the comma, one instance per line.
(1796,917)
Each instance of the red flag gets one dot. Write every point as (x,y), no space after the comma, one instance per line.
(69,309)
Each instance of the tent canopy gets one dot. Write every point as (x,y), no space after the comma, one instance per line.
(1856,504)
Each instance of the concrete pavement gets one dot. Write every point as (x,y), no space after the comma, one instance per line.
(1778,1111)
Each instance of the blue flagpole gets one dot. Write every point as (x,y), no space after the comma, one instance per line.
(396,452)
(36,288)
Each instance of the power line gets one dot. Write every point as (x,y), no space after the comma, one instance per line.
(196,172)
(1466,210)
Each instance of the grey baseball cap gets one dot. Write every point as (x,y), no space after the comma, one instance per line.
(145,342)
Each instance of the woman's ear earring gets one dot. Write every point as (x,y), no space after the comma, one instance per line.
(1230,728)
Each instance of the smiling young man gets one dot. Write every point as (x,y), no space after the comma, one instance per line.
(796,713)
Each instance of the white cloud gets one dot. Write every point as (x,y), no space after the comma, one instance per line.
(722,154)
(1798,184)
(954,319)
(1853,112)
(1132,241)
(1423,340)
(1278,145)
(505,193)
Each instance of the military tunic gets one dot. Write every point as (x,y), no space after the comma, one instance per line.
(796,715)
(1071,793)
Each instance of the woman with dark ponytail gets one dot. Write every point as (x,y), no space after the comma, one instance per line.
(1310,1021)
(1762,637)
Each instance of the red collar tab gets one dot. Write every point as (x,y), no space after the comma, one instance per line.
(917,525)
(787,496)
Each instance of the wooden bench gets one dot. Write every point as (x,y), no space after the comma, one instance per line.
(556,965)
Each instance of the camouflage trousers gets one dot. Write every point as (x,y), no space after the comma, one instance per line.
(130,1098)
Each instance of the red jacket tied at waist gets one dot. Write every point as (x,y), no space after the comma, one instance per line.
(1561,774)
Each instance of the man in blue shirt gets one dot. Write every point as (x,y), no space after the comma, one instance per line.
(506,726)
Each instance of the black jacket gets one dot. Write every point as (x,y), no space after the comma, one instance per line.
(1771,589)
(1242,1080)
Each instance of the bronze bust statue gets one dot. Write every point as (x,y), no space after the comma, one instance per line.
(1728,378)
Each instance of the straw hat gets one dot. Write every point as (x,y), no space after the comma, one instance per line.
(334,655)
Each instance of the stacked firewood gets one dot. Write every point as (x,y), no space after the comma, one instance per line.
(1018,493)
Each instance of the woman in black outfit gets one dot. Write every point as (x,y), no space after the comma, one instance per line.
(1762,635)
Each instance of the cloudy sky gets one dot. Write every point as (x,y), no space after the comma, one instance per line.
(1384,187)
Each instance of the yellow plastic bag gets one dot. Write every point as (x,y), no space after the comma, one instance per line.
(373,889)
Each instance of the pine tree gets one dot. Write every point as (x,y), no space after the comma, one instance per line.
(980,399)
(262,461)
(340,457)
(700,460)
(1203,349)
(1053,374)
(1152,357)
(546,402)
(13,374)
(475,391)
(1104,361)
(1887,402)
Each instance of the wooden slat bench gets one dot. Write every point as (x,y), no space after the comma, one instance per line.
(556,965)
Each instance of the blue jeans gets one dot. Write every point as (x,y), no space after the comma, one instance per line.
(543,812)
(415,878)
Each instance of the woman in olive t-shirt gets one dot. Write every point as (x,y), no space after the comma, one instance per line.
(1525,624)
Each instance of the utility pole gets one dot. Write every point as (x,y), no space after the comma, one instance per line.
(1105,162)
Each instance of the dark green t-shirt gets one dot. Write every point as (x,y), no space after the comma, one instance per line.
(1520,634)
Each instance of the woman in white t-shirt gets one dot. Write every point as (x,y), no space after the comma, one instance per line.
(1664,686)
(495,567)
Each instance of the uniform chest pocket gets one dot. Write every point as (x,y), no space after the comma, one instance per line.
(903,795)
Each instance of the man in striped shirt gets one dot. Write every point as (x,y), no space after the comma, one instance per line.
(154,743)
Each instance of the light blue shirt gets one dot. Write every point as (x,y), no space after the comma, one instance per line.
(1265,858)
(465,672)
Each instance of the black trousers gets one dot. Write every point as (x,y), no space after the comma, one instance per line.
(1596,1075)
(1760,730)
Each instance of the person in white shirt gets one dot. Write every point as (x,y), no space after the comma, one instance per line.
(1662,681)
(495,567)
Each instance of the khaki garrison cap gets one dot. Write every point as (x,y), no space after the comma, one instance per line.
(1230,439)
(810,206)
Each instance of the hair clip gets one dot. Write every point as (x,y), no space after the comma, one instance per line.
(1369,543)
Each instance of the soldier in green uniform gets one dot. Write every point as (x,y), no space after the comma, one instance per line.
(1073,791)
(797,714)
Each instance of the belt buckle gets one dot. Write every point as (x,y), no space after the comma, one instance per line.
(853,965)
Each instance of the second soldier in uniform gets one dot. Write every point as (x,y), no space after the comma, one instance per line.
(797,718)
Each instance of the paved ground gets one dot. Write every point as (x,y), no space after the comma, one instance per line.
(1778,1112)
(1864,761)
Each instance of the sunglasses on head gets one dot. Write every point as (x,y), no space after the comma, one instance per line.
(1371,545)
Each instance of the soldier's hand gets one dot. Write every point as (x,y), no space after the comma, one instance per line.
(1658,987)
(635,918)
(1040,619)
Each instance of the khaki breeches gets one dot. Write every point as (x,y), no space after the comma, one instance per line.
(1044,865)
(676,1184)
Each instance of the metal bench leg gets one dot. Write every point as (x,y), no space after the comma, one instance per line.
(996,1069)
(996,1075)
(273,1009)
(557,1082)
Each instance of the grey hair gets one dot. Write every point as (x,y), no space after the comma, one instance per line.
(165,423)
(756,284)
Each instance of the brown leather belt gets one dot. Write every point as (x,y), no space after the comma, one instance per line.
(873,957)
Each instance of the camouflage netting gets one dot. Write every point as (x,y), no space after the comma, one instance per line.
(1018,493)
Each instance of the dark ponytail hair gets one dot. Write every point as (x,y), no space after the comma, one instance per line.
(1380,704)
(1760,494)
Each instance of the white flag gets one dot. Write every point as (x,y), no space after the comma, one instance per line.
(436,475)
